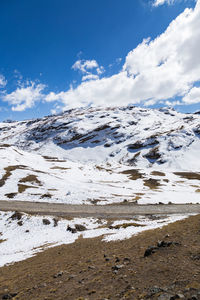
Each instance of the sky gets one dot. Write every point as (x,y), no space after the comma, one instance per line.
(60,54)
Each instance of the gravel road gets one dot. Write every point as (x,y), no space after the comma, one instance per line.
(97,211)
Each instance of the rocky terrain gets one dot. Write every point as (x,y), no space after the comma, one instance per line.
(25,235)
(130,153)
(159,264)
(93,156)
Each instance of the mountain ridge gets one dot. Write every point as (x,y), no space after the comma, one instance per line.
(101,156)
(133,128)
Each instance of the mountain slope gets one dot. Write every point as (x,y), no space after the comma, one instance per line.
(98,155)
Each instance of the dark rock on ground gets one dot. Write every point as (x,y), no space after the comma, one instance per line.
(80,227)
(46,221)
(9,296)
(117,267)
(165,296)
(16,216)
(59,274)
(150,250)
(55,222)
(163,244)
(72,230)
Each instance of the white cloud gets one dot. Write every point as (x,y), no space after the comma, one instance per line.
(85,65)
(193,96)
(168,2)
(118,60)
(56,109)
(24,97)
(161,2)
(100,70)
(156,70)
(90,77)
(3,81)
(88,68)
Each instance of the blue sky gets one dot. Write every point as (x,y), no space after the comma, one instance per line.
(57,54)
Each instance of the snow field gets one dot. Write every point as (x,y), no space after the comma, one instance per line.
(24,237)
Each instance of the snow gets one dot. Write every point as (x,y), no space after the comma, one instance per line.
(79,156)
(21,242)
(89,156)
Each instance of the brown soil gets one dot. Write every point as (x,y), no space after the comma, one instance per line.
(134,174)
(92,269)
(11,195)
(125,225)
(133,160)
(136,145)
(59,168)
(153,154)
(157,173)
(23,187)
(53,159)
(47,195)
(30,178)
(8,173)
(188,175)
(152,183)
(5,145)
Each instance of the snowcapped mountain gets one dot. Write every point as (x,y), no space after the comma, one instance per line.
(102,155)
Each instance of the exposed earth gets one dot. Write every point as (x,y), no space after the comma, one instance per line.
(102,156)
(86,165)
(92,269)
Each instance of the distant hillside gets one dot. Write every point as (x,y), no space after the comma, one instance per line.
(102,155)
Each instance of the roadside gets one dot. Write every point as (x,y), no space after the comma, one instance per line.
(92,269)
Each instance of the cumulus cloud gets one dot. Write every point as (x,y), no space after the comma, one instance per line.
(156,70)
(100,70)
(25,97)
(90,77)
(168,2)
(85,65)
(161,2)
(3,81)
(89,68)
(193,96)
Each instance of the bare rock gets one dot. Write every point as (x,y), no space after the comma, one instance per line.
(80,227)
(150,250)
(72,230)
(46,221)
(59,274)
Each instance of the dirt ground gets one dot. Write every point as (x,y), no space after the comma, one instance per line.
(92,269)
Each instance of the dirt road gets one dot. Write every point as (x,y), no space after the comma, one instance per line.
(100,211)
